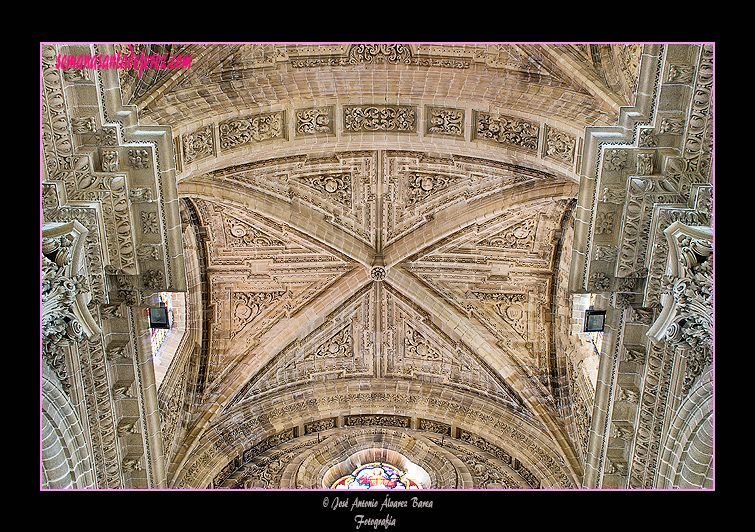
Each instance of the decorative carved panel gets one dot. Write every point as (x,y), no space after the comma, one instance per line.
(516,132)
(198,144)
(379,117)
(238,132)
(314,121)
(445,121)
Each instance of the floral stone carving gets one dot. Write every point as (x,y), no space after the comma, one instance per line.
(65,294)
(248,305)
(445,121)
(240,131)
(687,317)
(420,185)
(340,345)
(198,144)
(379,118)
(507,130)
(314,121)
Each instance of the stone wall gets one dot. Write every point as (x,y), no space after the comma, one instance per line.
(111,238)
(643,230)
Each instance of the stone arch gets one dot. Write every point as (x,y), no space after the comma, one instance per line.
(313,224)
(342,453)
(66,462)
(482,423)
(687,457)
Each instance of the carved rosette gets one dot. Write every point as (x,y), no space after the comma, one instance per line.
(615,160)
(377,273)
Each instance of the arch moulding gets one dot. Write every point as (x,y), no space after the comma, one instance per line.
(265,423)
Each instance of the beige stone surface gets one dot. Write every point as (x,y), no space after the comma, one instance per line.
(381,252)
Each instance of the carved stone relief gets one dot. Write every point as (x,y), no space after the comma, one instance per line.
(664,349)
(559,145)
(379,118)
(339,346)
(249,305)
(99,252)
(421,185)
(336,186)
(263,465)
(509,258)
(242,234)
(507,130)
(519,236)
(198,144)
(238,132)
(686,321)
(445,121)
(315,121)
(385,53)
(66,319)
(512,308)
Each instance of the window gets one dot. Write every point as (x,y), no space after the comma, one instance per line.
(158,335)
(376,476)
(595,337)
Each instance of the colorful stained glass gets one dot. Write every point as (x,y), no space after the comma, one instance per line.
(376,476)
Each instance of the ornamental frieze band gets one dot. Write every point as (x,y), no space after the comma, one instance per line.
(214,140)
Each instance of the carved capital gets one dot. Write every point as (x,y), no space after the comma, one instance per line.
(686,320)
(65,292)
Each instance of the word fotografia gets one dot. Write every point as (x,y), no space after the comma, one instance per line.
(140,62)
(388,503)
(385,522)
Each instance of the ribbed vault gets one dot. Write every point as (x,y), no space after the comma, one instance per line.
(378,231)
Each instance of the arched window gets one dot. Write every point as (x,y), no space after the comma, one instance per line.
(166,342)
(376,476)
(157,335)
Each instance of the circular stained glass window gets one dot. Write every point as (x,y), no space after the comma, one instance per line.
(376,476)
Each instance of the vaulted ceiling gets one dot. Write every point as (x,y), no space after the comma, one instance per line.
(383,219)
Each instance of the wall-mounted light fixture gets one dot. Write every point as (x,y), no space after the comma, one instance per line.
(595,320)
(158,318)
